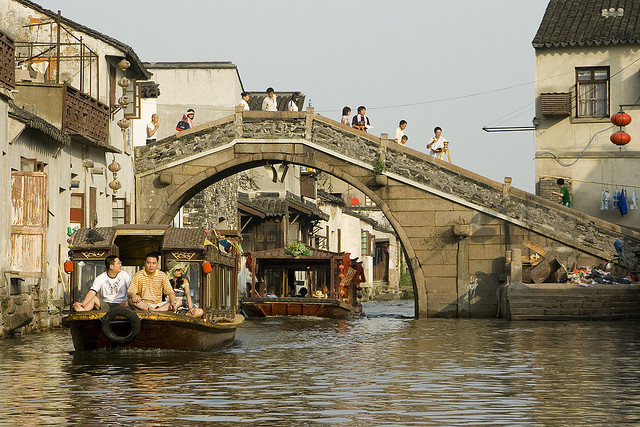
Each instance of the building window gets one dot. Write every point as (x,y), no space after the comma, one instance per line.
(368,202)
(365,243)
(120,211)
(592,91)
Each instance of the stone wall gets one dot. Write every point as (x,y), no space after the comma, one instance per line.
(215,207)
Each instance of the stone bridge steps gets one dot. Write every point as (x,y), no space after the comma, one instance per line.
(562,301)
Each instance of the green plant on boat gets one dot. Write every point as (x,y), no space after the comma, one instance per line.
(297,250)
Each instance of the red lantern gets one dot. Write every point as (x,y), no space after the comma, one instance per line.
(355,201)
(341,284)
(206,267)
(341,267)
(341,276)
(620,138)
(621,119)
(68,266)
(342,292)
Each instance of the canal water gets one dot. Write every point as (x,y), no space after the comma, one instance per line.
(383,369)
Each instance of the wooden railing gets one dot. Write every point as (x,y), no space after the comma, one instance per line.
(84,115)
(7,62)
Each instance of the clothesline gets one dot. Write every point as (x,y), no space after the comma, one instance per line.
(606,184)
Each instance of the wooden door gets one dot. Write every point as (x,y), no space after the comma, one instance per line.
(29,222)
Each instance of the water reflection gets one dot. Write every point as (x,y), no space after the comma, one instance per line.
(385,369)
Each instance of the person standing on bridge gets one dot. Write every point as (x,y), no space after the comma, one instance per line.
(244,102)
(270,103)
(360,120)
(293,103)
(564,193)
(346,111)
(437,143)
(152,128)
(400,131)
(187,120)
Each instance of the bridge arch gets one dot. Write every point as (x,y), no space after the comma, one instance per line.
(455,226)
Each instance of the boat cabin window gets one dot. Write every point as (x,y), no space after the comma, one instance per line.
(219,287)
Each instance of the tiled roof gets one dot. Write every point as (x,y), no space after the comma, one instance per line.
(38,123)
(278,206)
(184,238)
(568,23)
(282,98)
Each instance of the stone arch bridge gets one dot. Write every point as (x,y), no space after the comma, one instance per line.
(455,226)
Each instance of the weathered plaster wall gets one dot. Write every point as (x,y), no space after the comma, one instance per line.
(567,137)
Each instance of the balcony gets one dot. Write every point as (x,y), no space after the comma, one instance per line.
(7,66)
(84,118)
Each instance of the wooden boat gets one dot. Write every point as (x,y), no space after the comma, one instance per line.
(277,276)
(212,274)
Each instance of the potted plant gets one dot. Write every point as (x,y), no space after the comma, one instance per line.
(379,168)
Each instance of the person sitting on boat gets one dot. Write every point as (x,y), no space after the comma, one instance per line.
(148,285)
(111,286)
(302,293)
(180,285)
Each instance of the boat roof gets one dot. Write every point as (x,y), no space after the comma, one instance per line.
(278,253)
(160,237)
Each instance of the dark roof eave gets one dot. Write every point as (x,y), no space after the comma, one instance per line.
(39,124)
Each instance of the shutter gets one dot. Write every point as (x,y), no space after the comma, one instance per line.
(29,210)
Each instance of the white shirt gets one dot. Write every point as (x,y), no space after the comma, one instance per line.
(244,104)
(112,290)
(269,104)
(398,135)
(438,144)
(292,104)
(150,128)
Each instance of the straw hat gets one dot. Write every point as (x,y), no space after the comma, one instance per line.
(318,294)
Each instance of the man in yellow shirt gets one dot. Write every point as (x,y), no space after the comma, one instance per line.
(148,285)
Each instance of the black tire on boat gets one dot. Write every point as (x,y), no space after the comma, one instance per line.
(109,319)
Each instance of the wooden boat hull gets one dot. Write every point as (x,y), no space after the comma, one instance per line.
(158,330)
(267,307)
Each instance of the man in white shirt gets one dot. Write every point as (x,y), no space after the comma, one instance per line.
(270,103)
(437,143)
(111,286)
(244,102)
(152,128)
(400,131)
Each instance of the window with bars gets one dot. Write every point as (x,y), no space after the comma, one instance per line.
(592,89)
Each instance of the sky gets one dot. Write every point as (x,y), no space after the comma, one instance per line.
(456,64)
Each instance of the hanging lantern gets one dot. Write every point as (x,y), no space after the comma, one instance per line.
(124,64)
(621,119)
(206,267)
(114,167)
(124,101)
(124,82)
(342,292)
(124,123)
(341,276)
(68,266)
(341,267)
(115,185)
(620,138)
(342,284)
